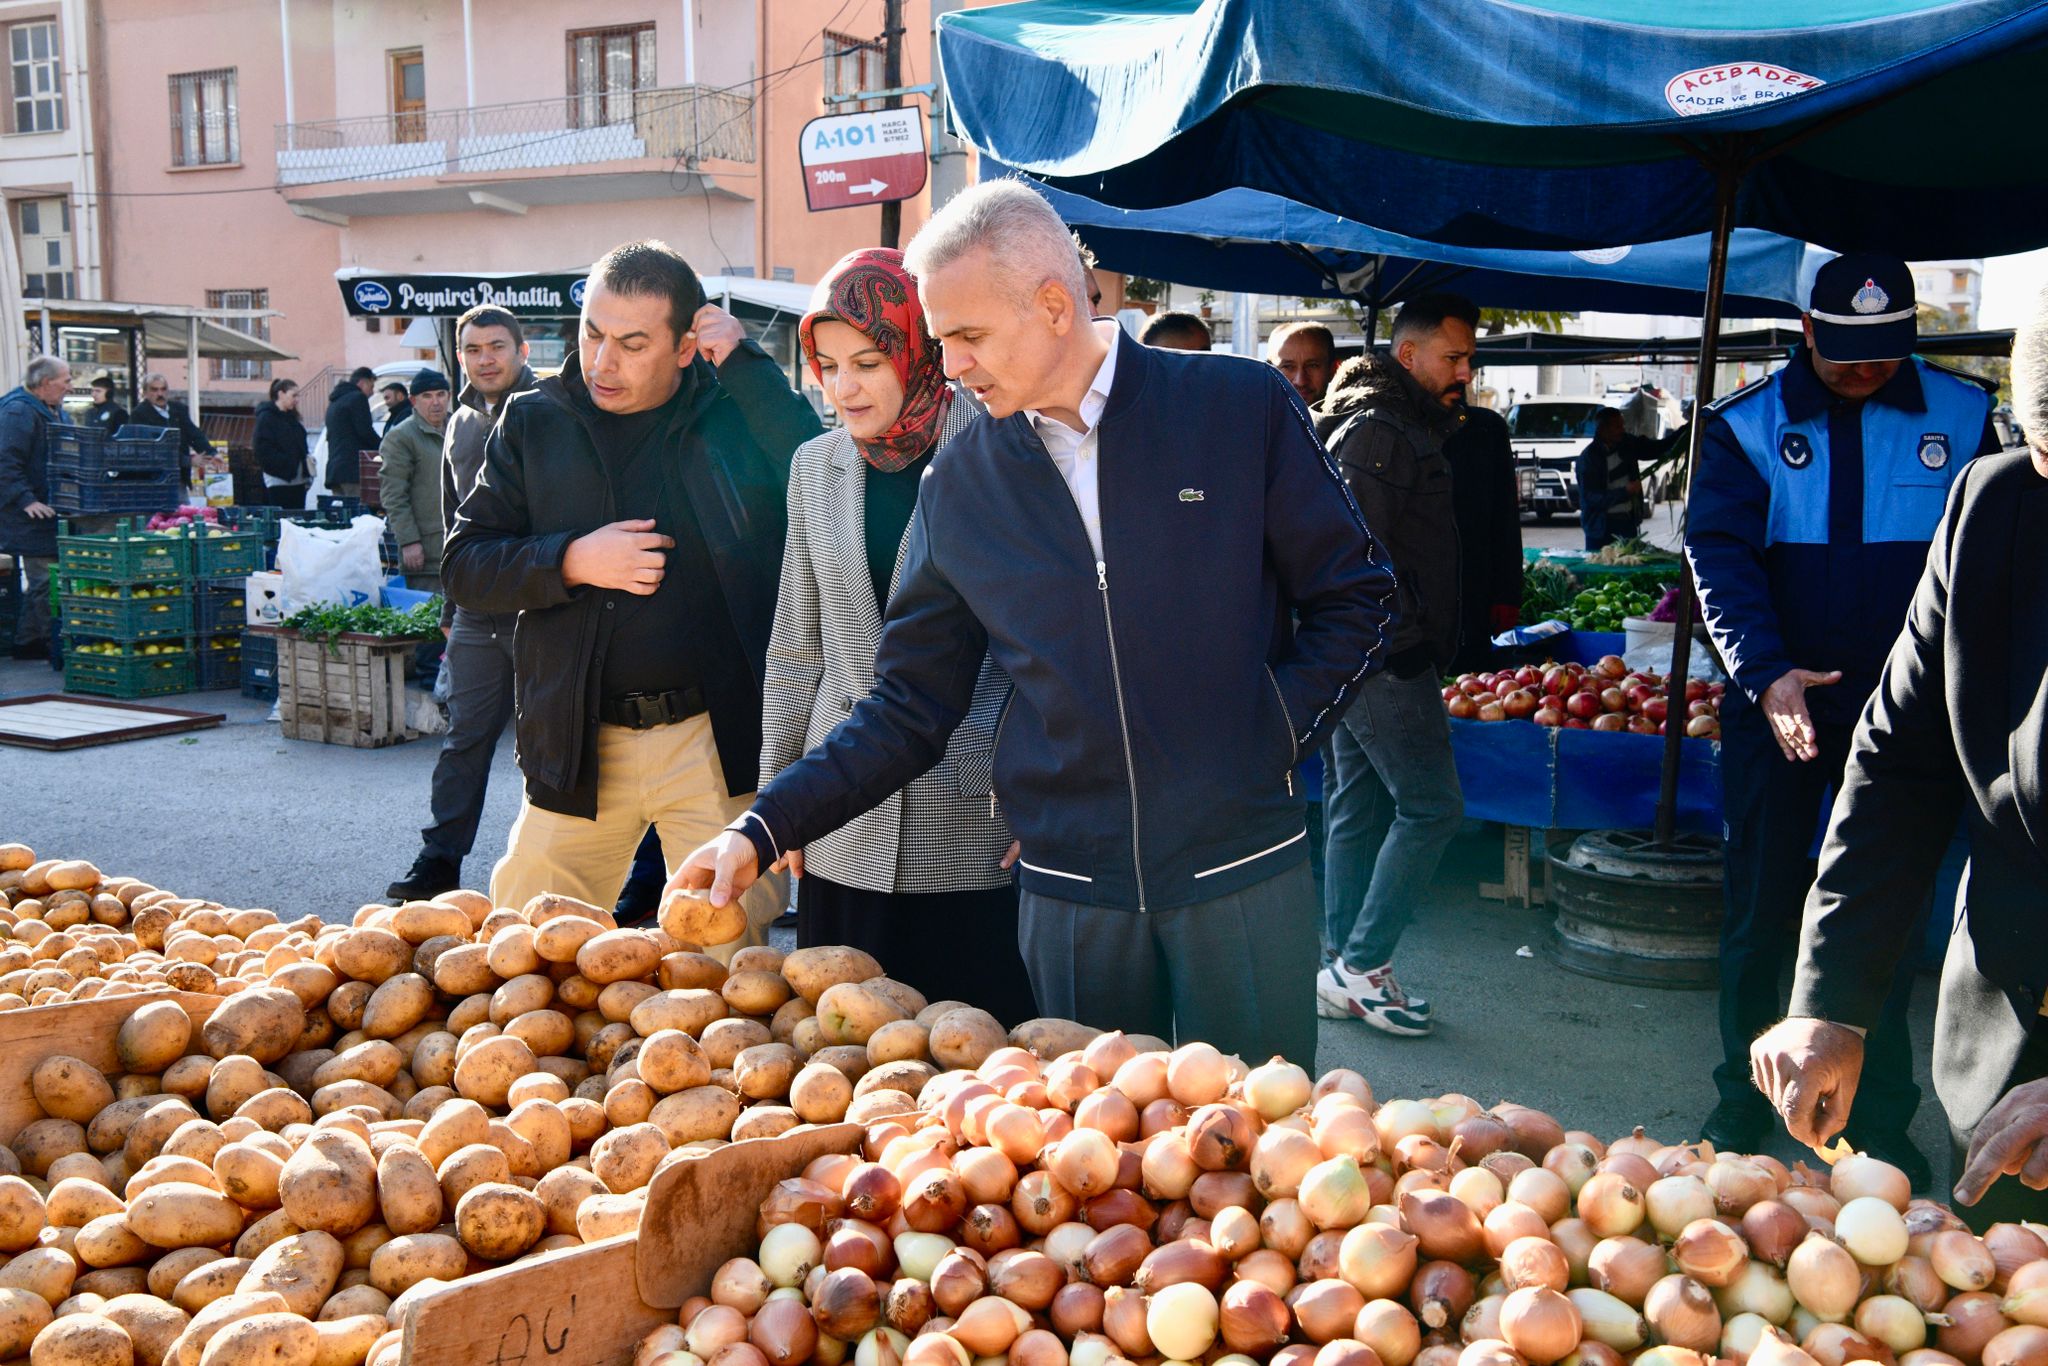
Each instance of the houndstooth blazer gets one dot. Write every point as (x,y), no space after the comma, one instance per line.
(943,833)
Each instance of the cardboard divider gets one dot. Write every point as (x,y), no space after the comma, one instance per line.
(85,1030)
(577,1307)
(701,1212)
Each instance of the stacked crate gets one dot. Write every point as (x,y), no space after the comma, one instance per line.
(223,558)
(134,470)
(125,601)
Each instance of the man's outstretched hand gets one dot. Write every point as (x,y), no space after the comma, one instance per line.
(1808,1069)
(2010,1141)
(727,866)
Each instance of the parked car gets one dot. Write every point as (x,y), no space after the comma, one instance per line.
(1548,431)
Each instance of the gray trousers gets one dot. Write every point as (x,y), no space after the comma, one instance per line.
(32,627)
(1237,972)
(479,705)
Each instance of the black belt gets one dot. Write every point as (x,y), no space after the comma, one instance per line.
(646,710)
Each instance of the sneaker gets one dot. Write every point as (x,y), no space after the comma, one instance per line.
(431,875)
(1738,1126)
(1893,1146)
(1374,997)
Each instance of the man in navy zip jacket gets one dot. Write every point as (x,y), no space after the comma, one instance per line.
(1127,533)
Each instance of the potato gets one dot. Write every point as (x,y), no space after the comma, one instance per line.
(276,1109)
(810,972)
(43,1141)
(457,1124)
(353,1300)
(166,1271)
(562,1191)
(755,993)
(198,1139)
(330,1184)
(879,1104)
(360,1246)
(72,875)
(272,1339)
(302,1269)
(549,906)
(69,1089)
(819,1094)
(408,1191)
(487,1071)
(907,1077)
(151,1325)
(616,1001)
(209,1321)
(724,1040)
(671,1061)
(210,1281)
(543,1125)
(147,1136)
(764,1121)
(850,1013)
(418,921)
(692,919)
(184,1214)
(399,1002)
(548,1033)
(345,1004)
(23,1314)
(376,1061)
(1049,1036)
(46,1272)
(898,1041)
(83,1340)
(559,940)
(345,1341)
(265,1231)
(498,1221)
(510,953)
(165,1167)
(76,1200)
(473,1165)
(625,1159)
(262,1022)
(765,1070)
(312,983)
(371,955)
(617,956)
(407,1260)
(679,971)
(518,995)
(232,1081)
(346,1095)
(463,969)
(109,1281)
(964,1038)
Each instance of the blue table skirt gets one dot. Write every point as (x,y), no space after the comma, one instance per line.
(1554,778)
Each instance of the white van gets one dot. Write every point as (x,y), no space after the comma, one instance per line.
(1547,432)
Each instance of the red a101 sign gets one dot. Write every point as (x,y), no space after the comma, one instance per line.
(868,158)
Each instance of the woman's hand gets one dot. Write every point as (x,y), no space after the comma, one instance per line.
(791,862)
(1012,854)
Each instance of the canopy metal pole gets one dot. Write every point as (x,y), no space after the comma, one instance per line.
(1727,176)
(192,365)
(1372,326)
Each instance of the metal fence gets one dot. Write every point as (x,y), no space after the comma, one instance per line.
(687,123)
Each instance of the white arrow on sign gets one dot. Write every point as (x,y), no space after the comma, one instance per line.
(872,187)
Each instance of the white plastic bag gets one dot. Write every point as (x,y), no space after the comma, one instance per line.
(331,564)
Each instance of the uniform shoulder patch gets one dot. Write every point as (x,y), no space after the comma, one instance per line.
(1749,390)
(1795,450)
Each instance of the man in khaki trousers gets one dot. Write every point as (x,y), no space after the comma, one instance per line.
(631,510)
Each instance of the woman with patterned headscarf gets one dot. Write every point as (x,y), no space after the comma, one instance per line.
(921,881)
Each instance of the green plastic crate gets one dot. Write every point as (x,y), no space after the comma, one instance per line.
(123,555)
(127,675)
(126,618)
(219,554)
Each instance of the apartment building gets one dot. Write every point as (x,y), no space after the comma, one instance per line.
(1952,287)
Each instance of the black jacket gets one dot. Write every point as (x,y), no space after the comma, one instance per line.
(397,413)
(107,417)
(1162,697)
(1959,722)
(280,443)
(349,433)
(543,484)
(25,475)
(1489,516)
(192,439)
(462,456)
(1388,438)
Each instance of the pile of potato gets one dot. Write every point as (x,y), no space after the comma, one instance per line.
(378,1108)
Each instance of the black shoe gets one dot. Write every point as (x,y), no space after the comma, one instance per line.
(1893,1146)
(638,902)
(32,649)
(1737,1127)
(431,875)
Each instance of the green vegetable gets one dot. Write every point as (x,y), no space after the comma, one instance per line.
(325,621)
(1547,592)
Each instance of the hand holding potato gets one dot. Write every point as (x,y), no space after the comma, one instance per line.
(727,866)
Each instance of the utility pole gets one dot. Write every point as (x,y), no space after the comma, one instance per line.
(892,79)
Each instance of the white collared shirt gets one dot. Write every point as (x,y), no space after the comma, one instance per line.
(1076,452)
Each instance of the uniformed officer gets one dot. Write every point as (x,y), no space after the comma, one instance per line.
(1817,495)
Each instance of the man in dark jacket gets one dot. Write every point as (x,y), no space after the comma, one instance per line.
(159,409)
(1610,482)
(1488,507)
(1958,723)
(28,524)
(1153,546)
(397,405)
(106,415)
(632,512)
(350,432)
(1392,802)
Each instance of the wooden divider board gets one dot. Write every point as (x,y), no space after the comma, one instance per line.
(77,1029)
(701,1212)
(577,1307)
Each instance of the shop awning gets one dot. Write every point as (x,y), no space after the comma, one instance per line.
(166,328)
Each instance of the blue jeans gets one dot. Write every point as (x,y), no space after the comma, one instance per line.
(1391,803)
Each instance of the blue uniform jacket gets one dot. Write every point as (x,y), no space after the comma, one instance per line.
(1161,695)
(1811,517)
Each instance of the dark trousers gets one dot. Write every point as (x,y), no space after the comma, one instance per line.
(1771,807)
(2008,1200)
(292,496)
(1237,972)
(479,705)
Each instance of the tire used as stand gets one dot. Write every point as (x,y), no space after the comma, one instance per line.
(1629,911)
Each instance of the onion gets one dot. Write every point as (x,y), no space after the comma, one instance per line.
(1326,1310)
(1625,1268)
(1574,1162)
(1390,1330)
(1811,1202)
(1535,1132)
(1738,1183)
(1609,1320)
(715,1329)
(936,1347)
(858,1244)
(1432,1354)
(1636,1170)
(1041,1203)
(2023,1344)
(917,1254)
(1482,1320)
(1269,1269)
(908,1306)
(1912,1278)
(1507,1165)
(1443,1226)
(1220,1137)
(1897,1323)
(1973,1320)
(1419,1179)
(1928,1356)
(1478,1190)
(1540,1324)
(1067,1245)
(1959,1258)
(739,1354)
(1196,1074)
(1593,1353)
(1609,1204)
(1481,1137)
(987,1229)
(1859,1175)
(987,1175)
(1234,1233)
(1188,1260)
(1015,1131)
(1672,1202)
(1280,1159)
(1757,1290)
(1489,1352)
(1181,1320)
(1276,1089)
(1534,1262)
(1836,1344)
(959,1280)
(1441,1292)
(1334,1194)
(1773,1348)
(1683,1314)
(742,1284)
(1037,1348)
(1286,1228)
(1342,1081)
(1740,1335)
(1114,1255)
(1077,1309)
(799,1201)
(1420,1152)
(2013,1246)
(1168,1171)
(1577,1242)
(1093,1349)
(1085,1162)
(1876,1236)
(1321,1259)
(2026,1294)
(1345,1352)
(1669,1356)
(1107,1052)
(1772,1229)
(988,1326)
(1824,1277)
(1543,1191)
(1025,1277)
(1509,1221)
(1068,1081)
(1110,1111)
(933,1201)
(1253,1319)
(1710,1252)
(784,1332)
(788,1253)
(1377,1260)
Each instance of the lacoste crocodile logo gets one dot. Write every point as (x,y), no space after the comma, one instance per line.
(1191,495)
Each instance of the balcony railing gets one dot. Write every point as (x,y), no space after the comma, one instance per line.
(688,123)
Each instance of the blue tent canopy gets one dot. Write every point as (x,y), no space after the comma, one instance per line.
(1260,243)
(1907,126)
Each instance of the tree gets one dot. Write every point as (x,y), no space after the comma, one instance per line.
(1943,322)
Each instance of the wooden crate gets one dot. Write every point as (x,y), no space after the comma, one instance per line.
(347,691)
(76,1029)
